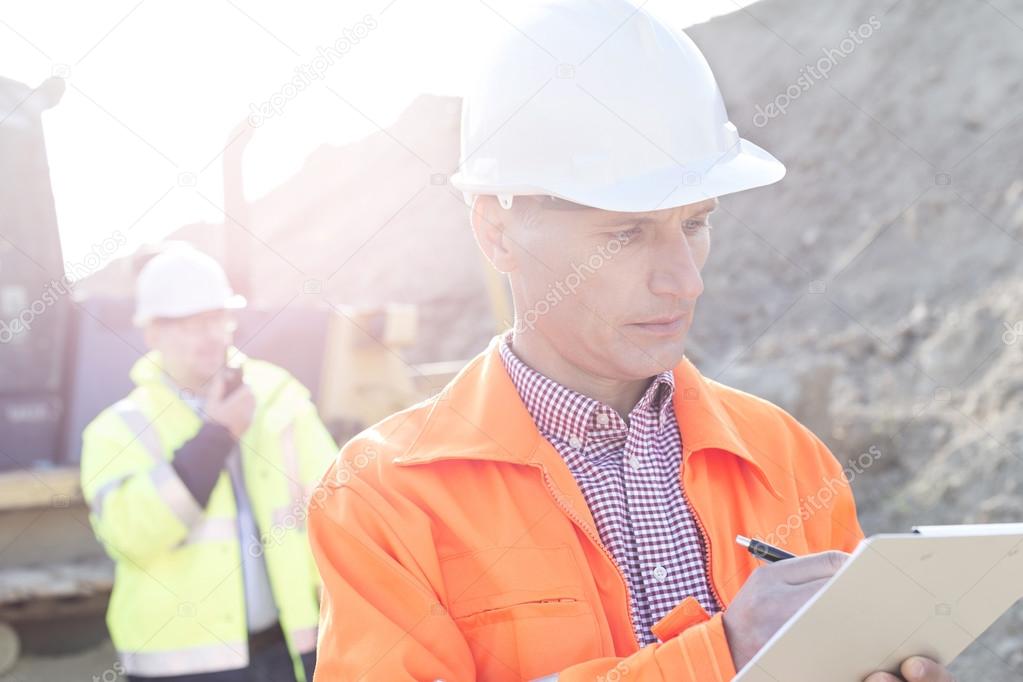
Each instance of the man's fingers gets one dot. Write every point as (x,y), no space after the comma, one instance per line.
(217,387)
(243,394)
(810,588)
(882,677)
(915,669)
(920,669)
(809,568)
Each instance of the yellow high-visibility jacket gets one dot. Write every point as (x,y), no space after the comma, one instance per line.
(178,602)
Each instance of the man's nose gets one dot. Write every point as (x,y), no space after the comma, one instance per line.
(675,272)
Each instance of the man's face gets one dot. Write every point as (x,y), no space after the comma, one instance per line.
(194,348)
(612,293)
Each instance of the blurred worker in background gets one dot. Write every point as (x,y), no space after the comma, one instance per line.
(197,484)
(568,505)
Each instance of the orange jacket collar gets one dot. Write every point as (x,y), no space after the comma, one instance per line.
(481,403)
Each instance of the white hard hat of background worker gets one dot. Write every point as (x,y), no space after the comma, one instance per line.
(605,106)
(179,282)
(185,305)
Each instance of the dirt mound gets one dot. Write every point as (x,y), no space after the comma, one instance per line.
(875,292)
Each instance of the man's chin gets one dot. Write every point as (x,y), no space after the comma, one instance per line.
(652,357)
(668,358)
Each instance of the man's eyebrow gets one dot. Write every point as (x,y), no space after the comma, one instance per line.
(626,219)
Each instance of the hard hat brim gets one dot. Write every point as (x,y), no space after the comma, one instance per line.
(745,166)
(234,302)
(750,167)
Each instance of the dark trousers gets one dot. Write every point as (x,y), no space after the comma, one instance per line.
(272,664)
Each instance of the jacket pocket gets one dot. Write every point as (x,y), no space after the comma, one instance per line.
(522,610)
(498,577)
(530,640)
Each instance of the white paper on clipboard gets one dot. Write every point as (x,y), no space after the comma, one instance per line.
(928,593)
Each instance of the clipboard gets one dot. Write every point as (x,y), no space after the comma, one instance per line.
(929,593)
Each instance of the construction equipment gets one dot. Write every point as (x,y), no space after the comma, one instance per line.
(49,566)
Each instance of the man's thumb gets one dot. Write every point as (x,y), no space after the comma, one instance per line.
(217,387)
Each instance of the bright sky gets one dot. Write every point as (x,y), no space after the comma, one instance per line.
(156,87)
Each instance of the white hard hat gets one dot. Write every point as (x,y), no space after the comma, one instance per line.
(599,103)
(179,282)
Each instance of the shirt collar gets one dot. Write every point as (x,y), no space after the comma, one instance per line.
(569,416)
(480,416)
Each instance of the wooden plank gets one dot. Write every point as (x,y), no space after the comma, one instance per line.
(27,489)
(56,581)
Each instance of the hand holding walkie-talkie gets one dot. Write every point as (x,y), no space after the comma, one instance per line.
(231,402)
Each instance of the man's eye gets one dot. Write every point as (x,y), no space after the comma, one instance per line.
(694,226)
(626,235)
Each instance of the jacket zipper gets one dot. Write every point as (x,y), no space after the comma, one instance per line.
(703,534)
(596,540)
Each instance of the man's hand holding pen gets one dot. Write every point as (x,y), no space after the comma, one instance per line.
(776,590)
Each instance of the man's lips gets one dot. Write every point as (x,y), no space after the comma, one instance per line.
(664,325)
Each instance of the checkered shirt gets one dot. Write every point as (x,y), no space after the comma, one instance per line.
(629,476)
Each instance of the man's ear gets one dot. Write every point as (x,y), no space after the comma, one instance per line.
(489,225)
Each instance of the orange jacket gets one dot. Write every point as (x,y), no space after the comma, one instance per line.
(454,543)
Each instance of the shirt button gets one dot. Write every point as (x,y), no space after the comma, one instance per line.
(575,442)
(660,573)
(634,462)
(602,419)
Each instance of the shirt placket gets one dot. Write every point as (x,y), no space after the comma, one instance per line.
(602,450)
(637,463)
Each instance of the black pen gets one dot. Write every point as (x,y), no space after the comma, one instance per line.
(762,550)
